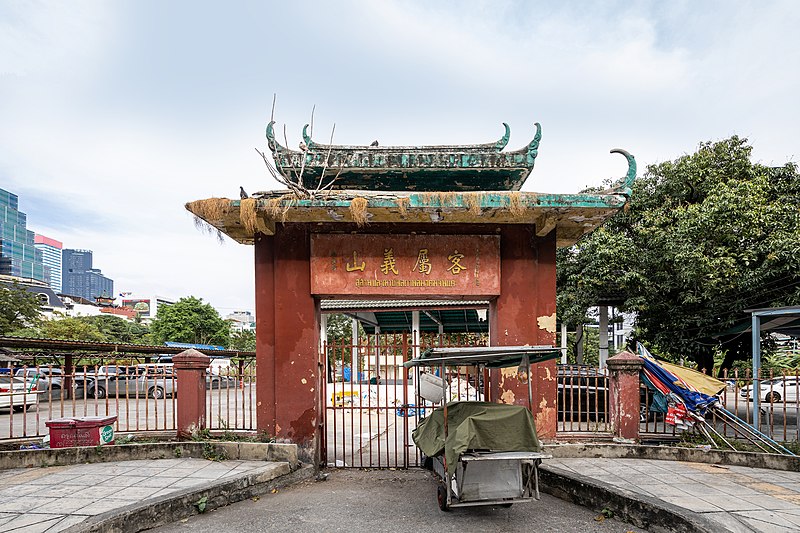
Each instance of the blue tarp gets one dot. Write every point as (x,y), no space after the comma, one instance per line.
(694,401)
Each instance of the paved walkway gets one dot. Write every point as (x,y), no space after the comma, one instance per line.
(34,500)
(739,499)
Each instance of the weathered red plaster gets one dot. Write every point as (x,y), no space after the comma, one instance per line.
(287,339)
(528,292)
(190,372)
(623,382)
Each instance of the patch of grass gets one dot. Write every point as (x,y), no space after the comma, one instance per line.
(213,453)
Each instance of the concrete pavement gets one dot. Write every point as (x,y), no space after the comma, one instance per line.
(129,488)
(55,498)
(729,498)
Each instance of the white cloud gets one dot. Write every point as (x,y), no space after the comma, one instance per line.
(122,112)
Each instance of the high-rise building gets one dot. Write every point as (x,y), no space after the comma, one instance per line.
(80,279)
(51,257)
(18,255)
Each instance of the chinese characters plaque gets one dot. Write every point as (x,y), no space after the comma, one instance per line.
(405,265)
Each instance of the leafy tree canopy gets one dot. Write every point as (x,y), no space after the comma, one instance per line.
(18,308)
(244,341)
(64,327)
(704,238)
(190,320)
(117,329)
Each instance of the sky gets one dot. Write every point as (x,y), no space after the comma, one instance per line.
(114,114)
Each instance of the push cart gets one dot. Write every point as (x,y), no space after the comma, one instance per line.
(482,453)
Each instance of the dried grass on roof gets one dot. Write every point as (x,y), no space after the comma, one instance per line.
(515,206)
(248,215)
(211,209)
(277,208)
(358,210)
(473,201)
(402,205)
(440,199)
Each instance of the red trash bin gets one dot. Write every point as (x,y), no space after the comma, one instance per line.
(62,432)
(94,430)
(81,431)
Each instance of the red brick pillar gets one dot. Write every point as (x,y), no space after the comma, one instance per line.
(190,368)
(623,384)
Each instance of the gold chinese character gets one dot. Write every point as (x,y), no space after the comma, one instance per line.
(423,264)
(355,266)
(389,263)
(456,258)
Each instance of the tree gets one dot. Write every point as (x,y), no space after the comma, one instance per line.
(704,238)
(18,308)
(67,328)
(116,329)
(190,320)
(244,341)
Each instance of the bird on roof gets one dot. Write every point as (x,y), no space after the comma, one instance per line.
(374,143)
(242,193)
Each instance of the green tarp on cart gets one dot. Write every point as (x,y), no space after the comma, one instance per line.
(477,426)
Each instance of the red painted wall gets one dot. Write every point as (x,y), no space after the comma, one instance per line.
(287,339)
(524,313)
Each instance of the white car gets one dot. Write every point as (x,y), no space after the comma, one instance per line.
(17,393)
(781,389)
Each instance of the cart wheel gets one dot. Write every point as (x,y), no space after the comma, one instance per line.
(427,462)
(441,496)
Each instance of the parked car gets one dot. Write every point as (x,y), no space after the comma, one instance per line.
(46,377)
(128,381)
(17,393)
(780,389)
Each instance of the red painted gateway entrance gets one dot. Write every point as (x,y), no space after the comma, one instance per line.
(438,223)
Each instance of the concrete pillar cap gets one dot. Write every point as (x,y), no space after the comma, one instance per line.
(191,358)
(624,360)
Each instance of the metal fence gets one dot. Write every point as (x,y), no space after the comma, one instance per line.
(231,397)
(143,397)
(582,401)
(370,414)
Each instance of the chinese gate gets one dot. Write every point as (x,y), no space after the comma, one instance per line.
(374,222)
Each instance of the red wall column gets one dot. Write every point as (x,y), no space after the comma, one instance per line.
(623,385)
(265,333)
(190,373)
(525,313)
(287,340)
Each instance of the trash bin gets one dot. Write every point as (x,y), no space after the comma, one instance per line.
(81,431)
(62,432)
(94,430)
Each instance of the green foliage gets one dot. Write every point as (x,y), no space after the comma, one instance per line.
(99,328)
(704,238)
(244,341)
(340,328)
(192,321)
(66,328)
(18,308)
(116,329)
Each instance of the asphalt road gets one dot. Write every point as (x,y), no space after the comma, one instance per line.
(361,501)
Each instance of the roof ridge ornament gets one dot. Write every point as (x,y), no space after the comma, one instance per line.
(432,168)
(533,147)
(625,184)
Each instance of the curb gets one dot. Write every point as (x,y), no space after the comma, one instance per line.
(149,514)
(769,461)
(642,511)
(255,451)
